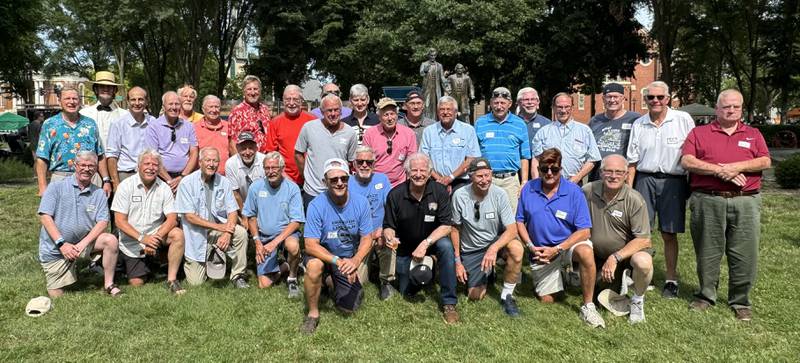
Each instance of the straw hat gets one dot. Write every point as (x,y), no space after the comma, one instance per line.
(106,78)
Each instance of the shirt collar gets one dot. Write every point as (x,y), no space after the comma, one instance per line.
(537,187)
(132,121)
(447,131)
(428,189)
(715,126)
(508,114)
(598,188)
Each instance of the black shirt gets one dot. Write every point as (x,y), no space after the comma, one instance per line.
(413,220)
(371,120)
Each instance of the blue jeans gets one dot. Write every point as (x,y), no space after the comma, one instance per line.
(446,264)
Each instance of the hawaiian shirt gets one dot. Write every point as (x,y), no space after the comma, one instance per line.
(245,117)
(59,142)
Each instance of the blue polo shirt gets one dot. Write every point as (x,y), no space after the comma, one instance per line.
(505,143)
(274,208)
(575,140)
(448,148)
(551,221)
(75,211)
(375,191)
(339,229)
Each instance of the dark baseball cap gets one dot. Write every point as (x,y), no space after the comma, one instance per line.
(478,164)
(412,95)
(245,136)
(613,87)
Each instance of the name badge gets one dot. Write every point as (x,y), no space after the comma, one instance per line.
(223,133)
(560,214)
(490,135)
(744,144)
(262,194)
(626,126)
(343,141)
(333,234)
(90,208)
(184,140)
(379,186)
(672,140)
(456,140)
(490,215)
(536,125)
(429,218)
(616,213)
(136,198)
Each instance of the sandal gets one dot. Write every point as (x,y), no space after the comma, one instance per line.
(113,290)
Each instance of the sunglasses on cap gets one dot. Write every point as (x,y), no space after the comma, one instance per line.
(658,97)
(502,94)
(339,179)
(553,169)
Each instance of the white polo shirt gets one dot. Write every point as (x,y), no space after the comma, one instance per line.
(658,149)
(237,172)
(146,209)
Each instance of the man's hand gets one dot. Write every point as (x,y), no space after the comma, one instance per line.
(574,179)
(149,251)
(609,268)
(152,240)
(70,251)
(489,259)
(461,273)
(545,254)
(739,180)
(174,182)
(224,228)
(420,252)
(107,189)
(392,244)
(223,242)
(269,248)
(260,252)
(727,172)
(346,266)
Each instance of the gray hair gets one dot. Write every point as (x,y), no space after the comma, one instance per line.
(69,89)
(359,90)
(727,92)
(250,78)
(164,97)
(187,87)
(207,149)
(656,84)
(330,97)
(152,153)
(563,94)
(612,156)
(450,100)
(525,90)
(86,155)
(295,88)
(365,149)
(274,155)
(415,157)
(210,98)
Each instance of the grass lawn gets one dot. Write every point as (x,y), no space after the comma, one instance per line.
(220,323)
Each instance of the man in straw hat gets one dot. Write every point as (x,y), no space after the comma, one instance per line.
(105,110)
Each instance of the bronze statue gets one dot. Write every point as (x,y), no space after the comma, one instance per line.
(433,83)
(461,89)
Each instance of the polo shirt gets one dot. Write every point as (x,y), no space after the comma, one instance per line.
(191,198)
(534,125)
(505,143)
(404,143)
(370,120)
(339,229)
(255,119)
(494,214)
(216,137)
(711,144)
(658,149)
(146,210)
(274,208)
(104,119)
(375,190)
(617,222)
(414,220)
(448,148)
(75,212)
(126,140)
(612,135)
(59,142)
(319,145)
(238,173)
(575,141)
(551,221)
(196,116)
(282,136)
(419,129)
(175,155)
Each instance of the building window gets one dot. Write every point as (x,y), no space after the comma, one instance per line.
(644,99)
(581,101)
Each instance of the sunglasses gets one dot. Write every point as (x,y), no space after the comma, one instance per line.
(173,134)
(365,162)
(261,127)
(341,179)
(502,94)
(654,97)
(389,146)
(248,180)
(477,208)
(552,169)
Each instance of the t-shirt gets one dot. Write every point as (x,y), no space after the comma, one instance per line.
(404,143)
(282,136)
(376,192)
(616,223)
(612,136)
(494,214)
(551,221)
(339,229)
(274,207)
(414,220)
(319,145)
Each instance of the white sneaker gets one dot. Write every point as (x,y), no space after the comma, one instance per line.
(627,281)
(637,312)
(590,316)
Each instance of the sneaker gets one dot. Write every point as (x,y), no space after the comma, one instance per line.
(294,289)
(510,307)
(699,305)
(450,314)
(637,312)
(240,283)
(627,281)
(670,291)
(175,287)
(309,325)
(590,316)
(387,290)
(743,314)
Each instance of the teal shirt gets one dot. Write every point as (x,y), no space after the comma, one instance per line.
(58,142)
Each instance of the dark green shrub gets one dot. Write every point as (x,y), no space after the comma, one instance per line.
(787,173)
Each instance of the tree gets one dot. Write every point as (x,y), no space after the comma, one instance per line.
(229,24)
(19,45)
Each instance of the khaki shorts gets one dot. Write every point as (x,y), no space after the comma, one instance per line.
(60,273)
(547,278)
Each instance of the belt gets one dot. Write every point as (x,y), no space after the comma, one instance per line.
(729,194)
(133,171)
(504,174)
(660,175)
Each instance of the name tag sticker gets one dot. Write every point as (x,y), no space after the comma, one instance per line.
(672,140)
(90,208)
(379,186)
(223,133)
(333,234)
(490,135)
(456,140)
(626,126)
(429,218)
(184,140)
(136,198)
(262,193)
(744,144)
(616,213)
(343,141)
(560,214)
(536,125)
(490,215)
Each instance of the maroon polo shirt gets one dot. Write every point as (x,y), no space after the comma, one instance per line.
(711,144)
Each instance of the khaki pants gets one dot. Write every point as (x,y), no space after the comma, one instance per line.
(237,253)
(511,186)
(61,273)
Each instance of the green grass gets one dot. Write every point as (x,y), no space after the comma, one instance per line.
(12,169)
(219,323)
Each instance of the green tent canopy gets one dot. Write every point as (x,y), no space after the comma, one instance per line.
(698,110)
(11,122)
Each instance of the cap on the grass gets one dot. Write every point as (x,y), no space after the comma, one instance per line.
(421,272)
(215,264)
(617,304)
(38,306)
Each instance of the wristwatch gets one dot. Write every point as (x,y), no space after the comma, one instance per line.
(428,242)
(106,180)
(141,237)
(616,257)
(59,242)
(559,249)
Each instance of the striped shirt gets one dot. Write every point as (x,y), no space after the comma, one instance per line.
(575,141)
(505,143)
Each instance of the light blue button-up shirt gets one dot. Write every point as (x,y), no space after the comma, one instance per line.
(191,198)
(575,141)
(126,140)
(448,148)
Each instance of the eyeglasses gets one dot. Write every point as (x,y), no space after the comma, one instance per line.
(292,99)
(389,146)
(614,172)
(553,169)
(654,97)
(365,162)
(502,94)
(477,207)
(563,107)
(341,179)
(85,166)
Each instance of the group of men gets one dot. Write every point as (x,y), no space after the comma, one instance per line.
(429,198)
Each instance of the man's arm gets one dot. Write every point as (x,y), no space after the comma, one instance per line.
(524,170)
(632,174)
(98,228)
(534,168)
(508,235)
(300,160)
(113,173)
(191,164)
(547,253)
(585,169)
(41,175)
